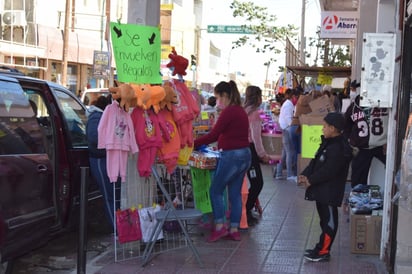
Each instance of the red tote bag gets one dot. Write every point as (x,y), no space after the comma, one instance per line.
(128,225)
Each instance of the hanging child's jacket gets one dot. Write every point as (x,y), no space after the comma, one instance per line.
(149,140)
(116,135)
(169,152)
(184,112)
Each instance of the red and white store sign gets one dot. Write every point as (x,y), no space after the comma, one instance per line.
(338,24)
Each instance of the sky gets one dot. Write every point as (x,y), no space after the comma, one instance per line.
(286,11)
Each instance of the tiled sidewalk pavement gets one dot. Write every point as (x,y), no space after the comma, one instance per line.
(289,225)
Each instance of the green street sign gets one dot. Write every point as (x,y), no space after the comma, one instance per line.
(228,29)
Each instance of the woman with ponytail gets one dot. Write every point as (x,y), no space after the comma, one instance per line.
(253,100)
(231,133)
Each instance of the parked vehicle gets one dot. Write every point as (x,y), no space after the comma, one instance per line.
(91,94)
(43,146)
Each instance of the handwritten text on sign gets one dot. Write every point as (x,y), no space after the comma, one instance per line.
(310,140)
(136,51)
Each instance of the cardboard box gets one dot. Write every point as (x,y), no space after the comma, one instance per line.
(321,105)
(272,142)
(366,232)
(302,163)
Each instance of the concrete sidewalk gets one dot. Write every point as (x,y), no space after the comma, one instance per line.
(275,245)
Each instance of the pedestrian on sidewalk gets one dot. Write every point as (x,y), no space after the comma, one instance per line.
(285,122)
(231,134)
(324,179)
(97,157)
(253,100)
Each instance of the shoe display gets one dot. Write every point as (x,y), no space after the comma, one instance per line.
(234,236)
(217,234)
(316,257)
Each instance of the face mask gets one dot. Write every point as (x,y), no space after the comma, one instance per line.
(294,101)
(352,95)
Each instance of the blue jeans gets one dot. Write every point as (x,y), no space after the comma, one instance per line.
(281,164)
(295,137)
(99,174)
(290,152)
(230,172)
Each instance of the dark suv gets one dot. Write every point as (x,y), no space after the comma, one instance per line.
(42,147)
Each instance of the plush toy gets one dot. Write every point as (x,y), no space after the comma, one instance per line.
(156,95)
(142,94)
(178,63)
(149,96)
(134,95)
(126,94)
(170,98)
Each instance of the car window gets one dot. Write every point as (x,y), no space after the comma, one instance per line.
(20,132)
(75,117)
(90,96)
(38,105)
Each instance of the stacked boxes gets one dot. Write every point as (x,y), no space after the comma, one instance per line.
(366,231)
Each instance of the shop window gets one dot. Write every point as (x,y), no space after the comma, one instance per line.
(72,78)
(56,71)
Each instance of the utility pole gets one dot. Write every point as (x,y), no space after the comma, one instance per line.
(144,12)
(267,85)
(302,34)
(65,43)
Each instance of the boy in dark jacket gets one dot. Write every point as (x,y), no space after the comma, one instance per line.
(324,179)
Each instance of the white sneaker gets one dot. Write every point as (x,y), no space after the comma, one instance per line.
(292,178)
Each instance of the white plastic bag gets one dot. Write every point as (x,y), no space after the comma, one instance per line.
(148,222)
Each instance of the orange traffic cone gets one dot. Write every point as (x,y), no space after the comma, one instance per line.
(245,191)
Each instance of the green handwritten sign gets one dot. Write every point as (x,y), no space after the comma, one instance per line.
(136,51)
(310,140)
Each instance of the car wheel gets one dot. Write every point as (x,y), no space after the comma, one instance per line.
(6,267)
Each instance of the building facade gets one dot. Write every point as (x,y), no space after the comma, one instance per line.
(388,18)
(32,38)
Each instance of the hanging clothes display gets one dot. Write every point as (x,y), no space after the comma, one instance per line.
(148,138)
(169,152)
(184,112)
(116,135)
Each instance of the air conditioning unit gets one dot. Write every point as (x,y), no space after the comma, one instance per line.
(14,18)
